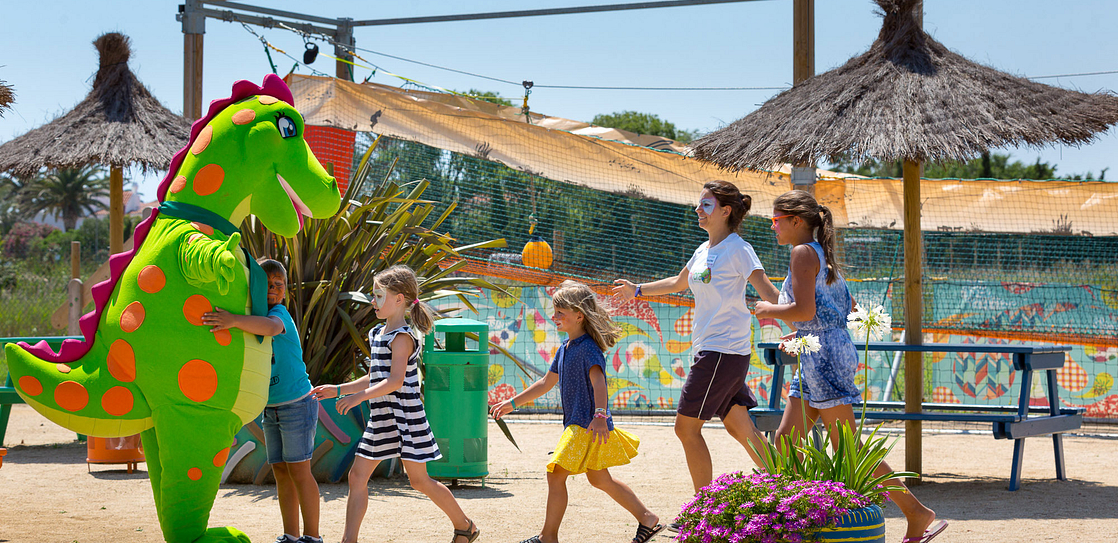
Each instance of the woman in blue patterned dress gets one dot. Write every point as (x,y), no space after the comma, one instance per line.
(814,300)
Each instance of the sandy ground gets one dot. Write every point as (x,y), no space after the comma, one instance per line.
(47,497)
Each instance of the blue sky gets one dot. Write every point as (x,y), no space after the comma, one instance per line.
(50,61)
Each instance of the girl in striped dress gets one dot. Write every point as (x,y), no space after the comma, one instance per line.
(397,422)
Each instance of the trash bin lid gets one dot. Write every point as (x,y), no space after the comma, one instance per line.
(460,325)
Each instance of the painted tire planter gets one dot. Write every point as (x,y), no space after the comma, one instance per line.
(865,525)
(335,443)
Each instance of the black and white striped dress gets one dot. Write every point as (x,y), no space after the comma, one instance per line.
(397,422)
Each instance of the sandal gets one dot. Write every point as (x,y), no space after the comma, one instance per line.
(931,532)
(470,533)
(533,539)
(646,533)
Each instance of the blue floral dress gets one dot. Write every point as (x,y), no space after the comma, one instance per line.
(827,375)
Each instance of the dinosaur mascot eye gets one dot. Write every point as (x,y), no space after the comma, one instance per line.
(286,126)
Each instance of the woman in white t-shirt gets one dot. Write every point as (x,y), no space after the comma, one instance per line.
(717,275)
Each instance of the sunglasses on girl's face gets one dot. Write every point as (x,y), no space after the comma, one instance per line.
(778,217)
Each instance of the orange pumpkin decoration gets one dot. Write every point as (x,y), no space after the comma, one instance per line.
(536,253)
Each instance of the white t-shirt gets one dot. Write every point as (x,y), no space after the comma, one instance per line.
(718,277)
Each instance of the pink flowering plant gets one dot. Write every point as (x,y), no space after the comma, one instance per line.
(765,508)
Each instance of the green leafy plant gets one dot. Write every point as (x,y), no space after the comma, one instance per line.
(331,264)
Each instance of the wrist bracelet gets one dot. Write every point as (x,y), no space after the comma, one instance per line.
(512,402)
(638,292)
(601,415)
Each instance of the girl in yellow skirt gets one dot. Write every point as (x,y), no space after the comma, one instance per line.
(589,444)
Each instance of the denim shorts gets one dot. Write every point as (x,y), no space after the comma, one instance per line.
(289,430)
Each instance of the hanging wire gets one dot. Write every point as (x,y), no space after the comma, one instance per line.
(353,51)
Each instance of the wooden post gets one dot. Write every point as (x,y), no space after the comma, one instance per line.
(193,29)
(913,317)
(192,76)
(803,67)
(75,260)
(116,210)
(343,38)
(74,289)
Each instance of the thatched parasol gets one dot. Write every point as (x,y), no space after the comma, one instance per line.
(119,123)
(908,98)
(6,97)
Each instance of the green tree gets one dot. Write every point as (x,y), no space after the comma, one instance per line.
(644,123)
(69,194)
(9,202)
(488,96)
(987,166)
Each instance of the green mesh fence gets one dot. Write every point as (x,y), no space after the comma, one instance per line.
(978,287)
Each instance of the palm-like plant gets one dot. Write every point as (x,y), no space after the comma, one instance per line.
(69,194)
(331,264)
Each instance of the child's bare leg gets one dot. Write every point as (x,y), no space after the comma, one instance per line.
(918,516)
(740,426)
(556,504)
(358,501)
(439,493)
(309,499)
(288,496)
(796,414)
(689,430)
(623,495)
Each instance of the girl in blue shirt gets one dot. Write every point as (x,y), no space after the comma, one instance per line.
(589,444)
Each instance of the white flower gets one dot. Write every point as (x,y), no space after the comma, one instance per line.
(801,345)
(873,323)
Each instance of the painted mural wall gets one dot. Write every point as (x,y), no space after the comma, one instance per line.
(648,367)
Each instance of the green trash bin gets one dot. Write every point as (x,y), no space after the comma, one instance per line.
(455,396)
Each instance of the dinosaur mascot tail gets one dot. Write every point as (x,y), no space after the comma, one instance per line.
(146,363)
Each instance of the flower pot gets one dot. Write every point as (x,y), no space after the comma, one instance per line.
(865,525)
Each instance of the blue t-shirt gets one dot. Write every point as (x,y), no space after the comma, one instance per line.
(572,363)
(289,374)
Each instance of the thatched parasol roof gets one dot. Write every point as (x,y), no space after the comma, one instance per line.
(118,124)
(908,97)
(6,97)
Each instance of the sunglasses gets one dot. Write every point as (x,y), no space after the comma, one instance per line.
(778,217)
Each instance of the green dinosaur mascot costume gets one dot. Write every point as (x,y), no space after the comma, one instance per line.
(146,363)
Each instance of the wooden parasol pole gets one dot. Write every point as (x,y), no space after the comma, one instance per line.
(116,210)
(913,316)
(803,68)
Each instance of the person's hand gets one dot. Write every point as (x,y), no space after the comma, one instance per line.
(600,429)
(219,319)
(325,392)
(763,309)
(501,409)
(787,337)
(347,403)
(624,289)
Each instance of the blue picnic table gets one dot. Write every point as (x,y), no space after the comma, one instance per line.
(1015,422)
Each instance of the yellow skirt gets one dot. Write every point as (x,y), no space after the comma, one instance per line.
(577,451)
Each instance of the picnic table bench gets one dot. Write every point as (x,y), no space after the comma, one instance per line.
(1015,422)
(8,394)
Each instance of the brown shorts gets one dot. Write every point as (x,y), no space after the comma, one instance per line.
(715,384)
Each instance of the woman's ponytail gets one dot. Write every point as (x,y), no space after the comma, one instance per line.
(827,241)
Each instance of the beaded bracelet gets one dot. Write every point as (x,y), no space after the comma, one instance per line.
(601,415)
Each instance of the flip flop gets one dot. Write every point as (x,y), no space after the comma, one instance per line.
(930,533)
(533,539)
(646,533)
